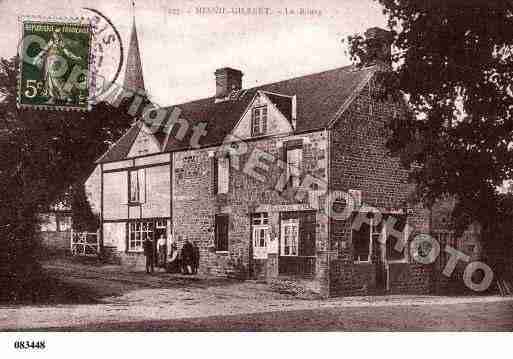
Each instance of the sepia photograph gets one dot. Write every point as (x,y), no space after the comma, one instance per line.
(255,166)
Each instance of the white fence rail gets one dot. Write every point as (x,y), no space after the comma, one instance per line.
(85,244)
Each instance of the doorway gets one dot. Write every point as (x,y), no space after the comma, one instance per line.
(297,250)
(160,251)
(260,235)
(384,238)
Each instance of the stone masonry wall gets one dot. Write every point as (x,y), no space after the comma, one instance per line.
(195,204)
(359,160)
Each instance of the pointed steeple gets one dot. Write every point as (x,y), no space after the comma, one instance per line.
(134,79)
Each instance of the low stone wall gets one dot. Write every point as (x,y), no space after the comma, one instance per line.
(350,279)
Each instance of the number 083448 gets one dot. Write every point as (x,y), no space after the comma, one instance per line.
(29,344)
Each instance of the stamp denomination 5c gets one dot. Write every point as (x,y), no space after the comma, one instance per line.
(54,71)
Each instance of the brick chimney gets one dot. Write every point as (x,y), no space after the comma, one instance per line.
(379,47)
(227,80)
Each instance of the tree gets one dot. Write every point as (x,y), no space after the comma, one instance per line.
(42,153)
(453,61)
(83,218)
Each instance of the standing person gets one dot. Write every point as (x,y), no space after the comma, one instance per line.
(196,258)
(162,250)
(148,252)
(173,264)
(187,256)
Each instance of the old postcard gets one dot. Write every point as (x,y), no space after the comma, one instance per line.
(291,166)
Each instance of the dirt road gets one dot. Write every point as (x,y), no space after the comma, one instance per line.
(112,299)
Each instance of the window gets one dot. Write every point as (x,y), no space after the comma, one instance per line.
(260,241)
(365,238)
(223,171)
(369,236)
(260,218)
(137,183)
(357,197)
(260,237)
(160,228)
(221,175)
(289,235)
(259,121)
(221,232)
(294,158)
(138,232)
(161,223)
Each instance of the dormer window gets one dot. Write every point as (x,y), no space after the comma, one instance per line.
(259,121)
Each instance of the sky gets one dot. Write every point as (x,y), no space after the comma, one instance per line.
(181,47)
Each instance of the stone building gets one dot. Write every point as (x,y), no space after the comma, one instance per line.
(255,176)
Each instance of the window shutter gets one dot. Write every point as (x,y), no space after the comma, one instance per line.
(255,122)
(134,186)
(216,231)
(221,232)
(127,235)
(214,175)
(264,120)
(142,185)
(224,234)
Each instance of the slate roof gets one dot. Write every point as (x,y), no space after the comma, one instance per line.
(134,78)
(320,97)
(283,103)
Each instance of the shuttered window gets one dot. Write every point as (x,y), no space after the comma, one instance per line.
(214,175)
(223,173)
(220,174)
(221,232)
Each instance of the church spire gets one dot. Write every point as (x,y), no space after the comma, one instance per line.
(134,79)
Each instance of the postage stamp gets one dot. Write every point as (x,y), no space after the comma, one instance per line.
(54,67)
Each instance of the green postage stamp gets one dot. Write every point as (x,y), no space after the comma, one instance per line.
(54,71)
